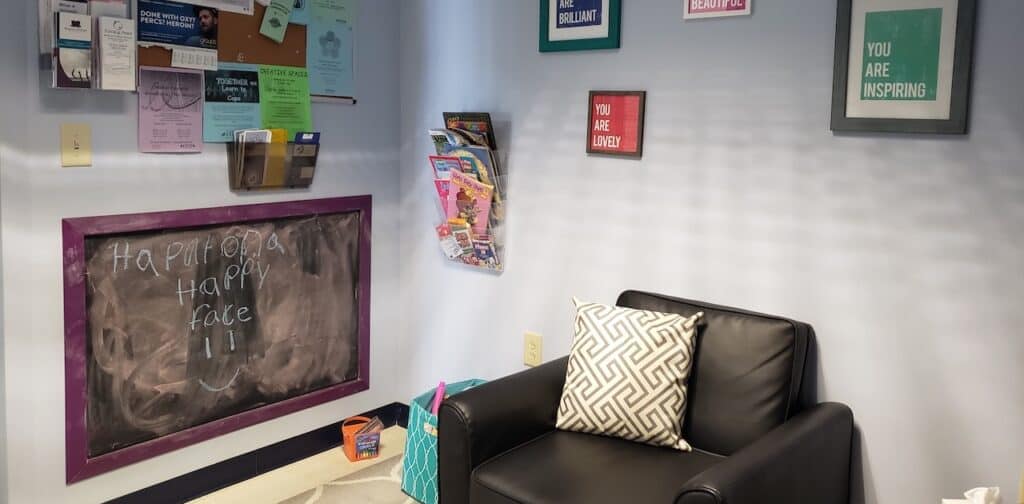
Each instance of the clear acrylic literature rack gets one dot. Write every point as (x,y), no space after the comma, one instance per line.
(470,193)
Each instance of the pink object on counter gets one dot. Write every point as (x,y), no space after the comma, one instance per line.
(438,397)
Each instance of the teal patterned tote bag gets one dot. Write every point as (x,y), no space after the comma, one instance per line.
(419,467)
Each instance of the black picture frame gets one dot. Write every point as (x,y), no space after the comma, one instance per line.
(960,98)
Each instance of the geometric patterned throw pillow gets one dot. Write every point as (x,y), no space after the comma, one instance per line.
(627,374)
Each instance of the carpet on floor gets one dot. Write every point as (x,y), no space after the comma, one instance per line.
(380,483)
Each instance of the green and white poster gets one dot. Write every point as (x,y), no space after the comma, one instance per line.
(901,55)
(901,58)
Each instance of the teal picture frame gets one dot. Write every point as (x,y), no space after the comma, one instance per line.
(612,41)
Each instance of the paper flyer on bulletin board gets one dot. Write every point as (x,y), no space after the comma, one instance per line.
(187,34)
(284,99)
(170,110)
(177,24)
(331,49)
(232,102)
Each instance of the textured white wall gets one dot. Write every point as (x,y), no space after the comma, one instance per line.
(904,252)
(360,157)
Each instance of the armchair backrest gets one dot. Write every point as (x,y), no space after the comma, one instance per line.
(749,375)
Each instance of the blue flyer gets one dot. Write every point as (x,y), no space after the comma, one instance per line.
(300,13)
(330,43)
(232,101)
(166,22)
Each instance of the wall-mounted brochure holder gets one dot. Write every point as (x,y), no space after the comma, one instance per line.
(83,41)
(257,164)
(472,201)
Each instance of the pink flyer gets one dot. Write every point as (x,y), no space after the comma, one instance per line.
(170,110)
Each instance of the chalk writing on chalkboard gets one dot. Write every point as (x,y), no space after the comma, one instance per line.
(186,327)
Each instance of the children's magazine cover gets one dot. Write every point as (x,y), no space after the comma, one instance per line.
(448,244)
(469,199)
(443,188)
(463,237)
(444,165)
(477,122)
(483,249)
(480,162)
(479,159)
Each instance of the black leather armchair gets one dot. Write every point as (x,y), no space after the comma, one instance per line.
(757,432)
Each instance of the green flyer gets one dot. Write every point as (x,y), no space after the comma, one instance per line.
(901,55)
(284,99)
(275,21)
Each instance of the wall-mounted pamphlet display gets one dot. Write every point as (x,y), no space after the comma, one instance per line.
(72,51)
(97,51)
(110,8)
(48,20)
(185,325)
(469,184)
(271,159)
(115,62)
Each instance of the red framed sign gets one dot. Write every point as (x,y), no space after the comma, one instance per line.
(615,123)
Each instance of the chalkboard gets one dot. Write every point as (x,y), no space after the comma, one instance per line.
(186,325)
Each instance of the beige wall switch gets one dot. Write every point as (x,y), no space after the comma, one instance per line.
(533,350)
(75,145)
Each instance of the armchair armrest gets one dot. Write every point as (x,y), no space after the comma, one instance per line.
(485,421)
(806,459)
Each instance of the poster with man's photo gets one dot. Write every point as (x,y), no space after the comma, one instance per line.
(173,23)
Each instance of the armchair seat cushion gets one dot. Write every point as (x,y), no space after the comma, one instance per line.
(573,468)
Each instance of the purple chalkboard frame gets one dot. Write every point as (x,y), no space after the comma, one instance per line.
(79,465)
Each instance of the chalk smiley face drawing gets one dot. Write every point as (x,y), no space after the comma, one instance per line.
(221,330)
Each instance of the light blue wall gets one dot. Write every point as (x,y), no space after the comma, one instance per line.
(360,156)
(903,251)
(12,132)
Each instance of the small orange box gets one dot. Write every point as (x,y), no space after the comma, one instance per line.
(359,447)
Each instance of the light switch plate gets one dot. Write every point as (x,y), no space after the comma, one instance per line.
(533,349)
(75,145)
